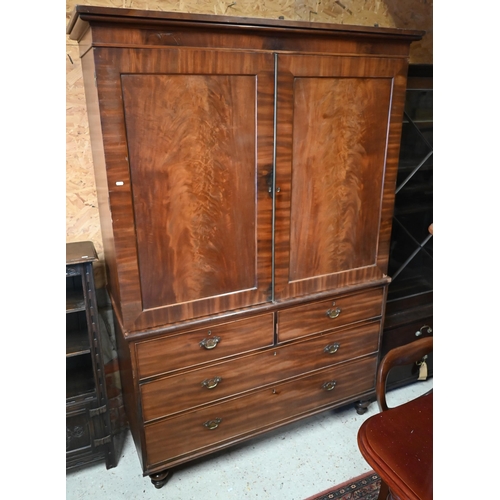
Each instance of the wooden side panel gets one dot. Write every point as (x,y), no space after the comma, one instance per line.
(188,145)
(93,110)
(130,389)
(336,169)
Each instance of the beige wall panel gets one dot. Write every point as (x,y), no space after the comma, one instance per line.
(82,216)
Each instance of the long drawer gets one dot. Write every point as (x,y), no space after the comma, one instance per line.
(172,439)
(177,393)
(204,345)
(320,316)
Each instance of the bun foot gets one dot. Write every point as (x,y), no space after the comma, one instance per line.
(160,478)
(362,407)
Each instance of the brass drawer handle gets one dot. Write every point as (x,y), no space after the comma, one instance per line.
(333,313)
(210,343)
(211,383)
(212,424)
(420,332)
(332,348)
(329,386)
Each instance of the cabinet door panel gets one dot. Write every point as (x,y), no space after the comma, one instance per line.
(335,116)
(189,197)
(194,198)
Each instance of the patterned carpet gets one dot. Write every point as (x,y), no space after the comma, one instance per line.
(365,487)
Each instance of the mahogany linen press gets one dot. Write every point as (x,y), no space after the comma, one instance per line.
(245,171)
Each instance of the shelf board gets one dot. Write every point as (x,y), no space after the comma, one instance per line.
(75,301)
(428,121)
(423,209)
(79,376)
(79,385)
(404,288)
(77,342)
(80,252)
(409,164)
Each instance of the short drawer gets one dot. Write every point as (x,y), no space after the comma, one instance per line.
(167,354)
(180,392)
(406,333)
(327,314)
(175,439)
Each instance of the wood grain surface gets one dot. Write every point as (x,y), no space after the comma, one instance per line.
(337,129)
(187,138)
(183,391)
(192,150)
(245,171)
(175,439)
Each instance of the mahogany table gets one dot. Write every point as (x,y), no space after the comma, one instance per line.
(397,443)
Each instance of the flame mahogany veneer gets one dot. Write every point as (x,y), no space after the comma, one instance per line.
(245,171)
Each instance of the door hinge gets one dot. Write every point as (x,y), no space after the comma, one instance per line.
(101,441)
(98,411)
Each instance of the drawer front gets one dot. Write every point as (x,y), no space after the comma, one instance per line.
(167,354)
(208,384)
(327,314)
(406,333)
(175,439)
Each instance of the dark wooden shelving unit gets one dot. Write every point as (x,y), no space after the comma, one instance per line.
(88,430)
(409,308)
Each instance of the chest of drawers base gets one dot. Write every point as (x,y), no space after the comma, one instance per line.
(194,391)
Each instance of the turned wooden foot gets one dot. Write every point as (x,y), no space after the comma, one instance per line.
(160,478)
(362,407)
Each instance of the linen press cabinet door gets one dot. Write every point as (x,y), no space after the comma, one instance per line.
(188,145)
(338,128)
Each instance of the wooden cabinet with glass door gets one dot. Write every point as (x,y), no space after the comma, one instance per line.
(409,309)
